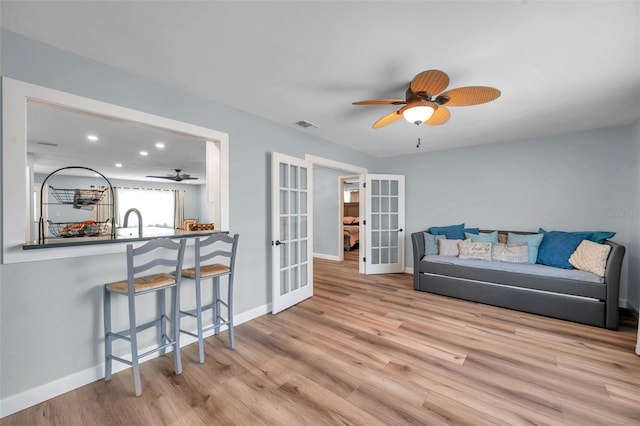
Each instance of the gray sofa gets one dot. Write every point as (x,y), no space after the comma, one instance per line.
(568,299)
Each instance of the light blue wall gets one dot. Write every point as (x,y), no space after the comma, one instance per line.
(325,211)
(57,304)
(571,182)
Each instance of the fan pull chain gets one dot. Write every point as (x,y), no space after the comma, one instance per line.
(418,135)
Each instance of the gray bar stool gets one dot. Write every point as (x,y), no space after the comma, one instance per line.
(206,251)
(169,254)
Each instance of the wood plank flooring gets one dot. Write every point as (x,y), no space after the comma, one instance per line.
(369,350)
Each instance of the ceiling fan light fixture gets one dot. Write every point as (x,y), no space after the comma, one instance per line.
(418,114)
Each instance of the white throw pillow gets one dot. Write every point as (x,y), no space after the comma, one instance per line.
(474,250)
(591,257)
(512,254)
(448,247)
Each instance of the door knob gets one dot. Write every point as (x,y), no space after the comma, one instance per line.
(278,243)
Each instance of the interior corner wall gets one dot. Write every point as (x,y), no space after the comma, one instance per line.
(325,211)
(578,181)
(57,304)
(633,253)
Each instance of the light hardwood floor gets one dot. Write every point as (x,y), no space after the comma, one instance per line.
(369,350)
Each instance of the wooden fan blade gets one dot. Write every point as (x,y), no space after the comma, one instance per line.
(381,102)
(440,116)
(387,119)
(472,95)
(432,82)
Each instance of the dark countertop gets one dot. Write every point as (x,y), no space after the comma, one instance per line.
(85,241)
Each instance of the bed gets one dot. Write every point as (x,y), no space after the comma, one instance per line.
(351,226)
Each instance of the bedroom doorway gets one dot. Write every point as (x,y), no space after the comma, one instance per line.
(352,241)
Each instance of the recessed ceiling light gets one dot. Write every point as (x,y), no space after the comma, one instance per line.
(92,138)
(143,153)
(118,164)
(159,145)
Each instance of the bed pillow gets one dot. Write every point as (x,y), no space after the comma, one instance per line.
(471,250)
(431,243)
(356,221)
(459,234)
(591,257)
(439,230)
(557,247)
(595,236)
(531,240)
(348,220)
(491,237)
(511,254)
(448,247)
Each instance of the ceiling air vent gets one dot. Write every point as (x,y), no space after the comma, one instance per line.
(305,124)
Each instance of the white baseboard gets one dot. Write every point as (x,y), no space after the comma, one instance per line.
(408,270)
(327,256)
(28,398)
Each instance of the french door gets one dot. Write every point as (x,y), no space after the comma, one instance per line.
(384,226)
(291,231)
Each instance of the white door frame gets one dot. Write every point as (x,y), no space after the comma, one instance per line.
(351,170)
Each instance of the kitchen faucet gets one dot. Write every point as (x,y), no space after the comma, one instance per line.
(126,220)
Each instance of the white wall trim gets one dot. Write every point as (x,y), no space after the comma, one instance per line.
(327,256)
(408,270)
(354,171)
(15,95)
(14,403)
(337,165)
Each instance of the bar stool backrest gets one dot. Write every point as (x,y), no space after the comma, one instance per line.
(169,253)
(207,249)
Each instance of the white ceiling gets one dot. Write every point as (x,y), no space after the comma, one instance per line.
(561,66)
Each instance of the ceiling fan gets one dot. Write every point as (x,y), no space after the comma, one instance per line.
(424,102)
(177,177)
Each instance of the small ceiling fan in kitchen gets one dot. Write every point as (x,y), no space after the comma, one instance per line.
(425,100)
(177,177)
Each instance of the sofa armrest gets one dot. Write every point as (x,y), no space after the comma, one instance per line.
(612,281)
(417,239)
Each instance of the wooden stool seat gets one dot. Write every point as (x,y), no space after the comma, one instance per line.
(207,271)
(142,284)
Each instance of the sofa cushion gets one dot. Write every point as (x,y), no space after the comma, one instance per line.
(557,247)
(471,250)
(448,247)
(591,257)
(440,230)
(459,234)
(512,254)
(531,240)
(595,236)
(491,237)
(430,243)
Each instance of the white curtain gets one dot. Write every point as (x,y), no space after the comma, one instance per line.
(178,216)
(102,211)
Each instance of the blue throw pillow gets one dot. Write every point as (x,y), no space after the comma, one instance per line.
(491,237)
(459,234)
(557,247)
(531,240)
(440,230)
(431,243)
(595,236)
